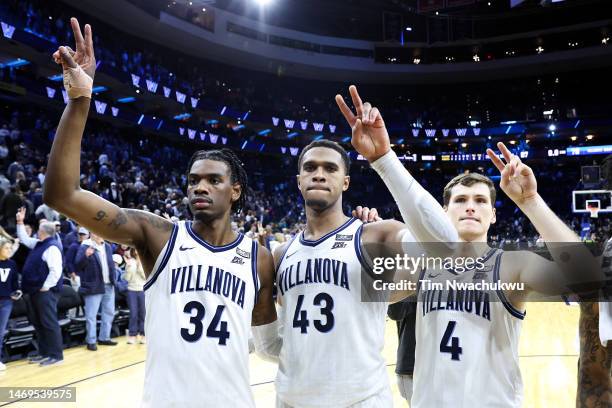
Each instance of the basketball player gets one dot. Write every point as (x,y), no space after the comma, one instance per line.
(467,340)
(206,284)
(330,352)
(595,329)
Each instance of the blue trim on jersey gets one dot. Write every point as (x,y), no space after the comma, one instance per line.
(165,258)
(502,296)
(359,251)
(254,251)
(210,247)
(280,261)
(484,259)
(307,242)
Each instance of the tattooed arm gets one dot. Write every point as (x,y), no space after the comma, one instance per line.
(594,366)
(147,232)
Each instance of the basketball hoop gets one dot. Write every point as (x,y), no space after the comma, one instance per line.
(594,211)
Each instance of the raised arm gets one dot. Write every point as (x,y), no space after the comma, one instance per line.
(145,231)
(422,214)
(570,256)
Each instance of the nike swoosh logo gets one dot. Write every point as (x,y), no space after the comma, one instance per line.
(291,254)
(182,248)
(433,276)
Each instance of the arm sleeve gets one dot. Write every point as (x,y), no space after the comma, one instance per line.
(422,214)
(23,237)
(267,341)
(53,257)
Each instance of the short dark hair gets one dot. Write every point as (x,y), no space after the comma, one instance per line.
(237,172)
(468,180)
(330,144)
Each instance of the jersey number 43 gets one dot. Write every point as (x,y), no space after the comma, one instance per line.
(300,318)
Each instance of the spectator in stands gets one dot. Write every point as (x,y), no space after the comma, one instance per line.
(42,281)
(9,205)
(94,265)
(113,194)
(72,250)
(46,212)
(135,277)
(9,288)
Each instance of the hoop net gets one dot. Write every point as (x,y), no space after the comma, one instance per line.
(594,211)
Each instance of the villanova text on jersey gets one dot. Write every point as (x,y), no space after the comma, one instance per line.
(317,270)
(197,278)
(461,300)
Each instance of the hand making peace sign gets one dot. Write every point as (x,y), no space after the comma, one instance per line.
(517,179)
(370,137)
(84,54)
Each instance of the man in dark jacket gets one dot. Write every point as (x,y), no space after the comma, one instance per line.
(72,250)
(94,265)
(42,281)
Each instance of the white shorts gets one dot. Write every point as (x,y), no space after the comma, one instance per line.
(382,399)
(404,383)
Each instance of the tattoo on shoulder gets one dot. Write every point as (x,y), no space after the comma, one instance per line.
(153,220)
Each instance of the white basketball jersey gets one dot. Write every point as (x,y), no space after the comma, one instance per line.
(332,340)
(199,303)
(466,342)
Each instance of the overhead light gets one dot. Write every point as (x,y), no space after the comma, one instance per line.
(589,137)
(476,58)
(204,9)
(408,28)
(573,138)
(416,61)
(539,50)
(513,142)
(552,128)
(263,2)
(605,40)
(463,145)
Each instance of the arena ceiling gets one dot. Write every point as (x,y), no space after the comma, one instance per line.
(370,19)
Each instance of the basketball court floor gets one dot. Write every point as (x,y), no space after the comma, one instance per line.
(113,376)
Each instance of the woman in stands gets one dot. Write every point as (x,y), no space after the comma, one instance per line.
(9,288)
(135,277)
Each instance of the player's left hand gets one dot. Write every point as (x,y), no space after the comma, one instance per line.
(366,214)
(517,179)
(370,137)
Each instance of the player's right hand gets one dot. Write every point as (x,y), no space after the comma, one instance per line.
(84,54)
(370,137)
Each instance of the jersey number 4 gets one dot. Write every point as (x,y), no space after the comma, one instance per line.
(451,344)
(222,334)
(300,318)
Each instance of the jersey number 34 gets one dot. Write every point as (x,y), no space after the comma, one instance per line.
(198,327)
